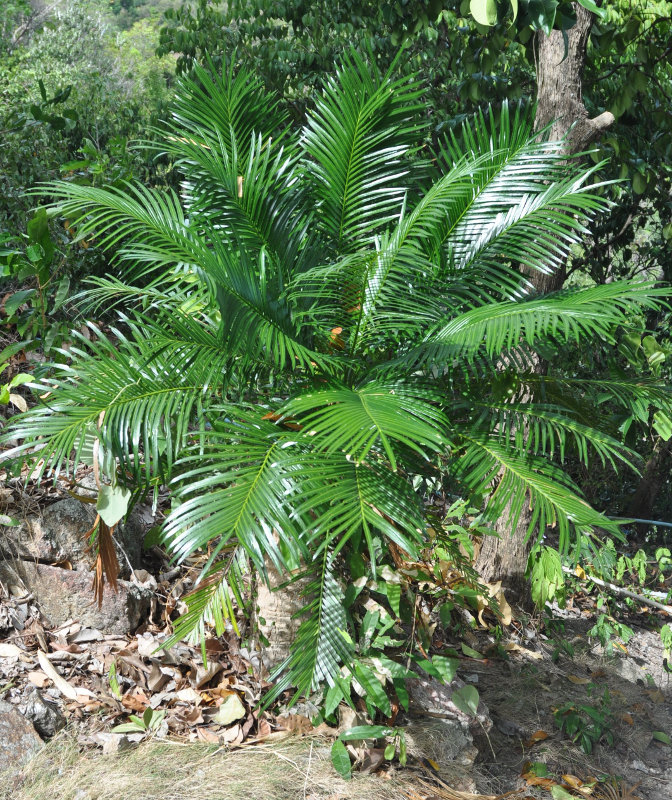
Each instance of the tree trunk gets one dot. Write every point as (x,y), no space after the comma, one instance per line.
(655,474)
(277,615)
(560,66)
(560,86)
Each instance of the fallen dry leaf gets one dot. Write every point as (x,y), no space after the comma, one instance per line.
(576,783)
(656,695)
(206,735)
(58,647)
(188,695)
(373,759)
(135,700)
(296,723)
(92,706)
(248,725)
(577,680)
(38,678)
(495,593)
(512,647)
(535,780)
(232,735)
(325,730)
(537,736)
(157,678)
(65,688)
(199,675)
(8,650)
(229,711)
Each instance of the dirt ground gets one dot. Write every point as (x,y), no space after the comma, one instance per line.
(521,694)
(521,698)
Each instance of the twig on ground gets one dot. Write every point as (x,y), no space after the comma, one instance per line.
(305,783)
(618,590)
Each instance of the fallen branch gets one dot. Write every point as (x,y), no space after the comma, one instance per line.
(618,590)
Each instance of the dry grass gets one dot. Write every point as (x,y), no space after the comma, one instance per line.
(296,769)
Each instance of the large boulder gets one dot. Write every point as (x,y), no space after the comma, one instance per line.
(59,535)
(19,742)
(64,594)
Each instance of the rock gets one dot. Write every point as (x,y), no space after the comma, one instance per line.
(63,594)
(55,535)
(19,742)
(45,716)
(117,743)
(448,739)
(448,744)
(59,535)
(430,694)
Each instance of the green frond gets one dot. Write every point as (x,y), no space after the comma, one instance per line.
(520,479)
(515,165)
(347,500)
(140,402)
(256,202)
(387,275)
(173,292)
(211,603)
(537,232)
(253,315)
(483,133)
(234,106)
(571,314)
(238,485)
(473,228)
(544,429)
(363,124)
(256,322)
(353,421)
(115,215)
(636,395)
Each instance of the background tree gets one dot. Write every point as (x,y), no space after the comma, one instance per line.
(74,93)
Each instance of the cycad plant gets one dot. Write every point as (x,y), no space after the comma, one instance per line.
(325,322)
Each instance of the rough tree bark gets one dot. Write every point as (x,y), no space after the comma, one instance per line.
(276,616)
(560,66)
(655,473)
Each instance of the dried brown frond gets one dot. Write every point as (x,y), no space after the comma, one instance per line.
(445,792)
(107,566)
(616,791)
